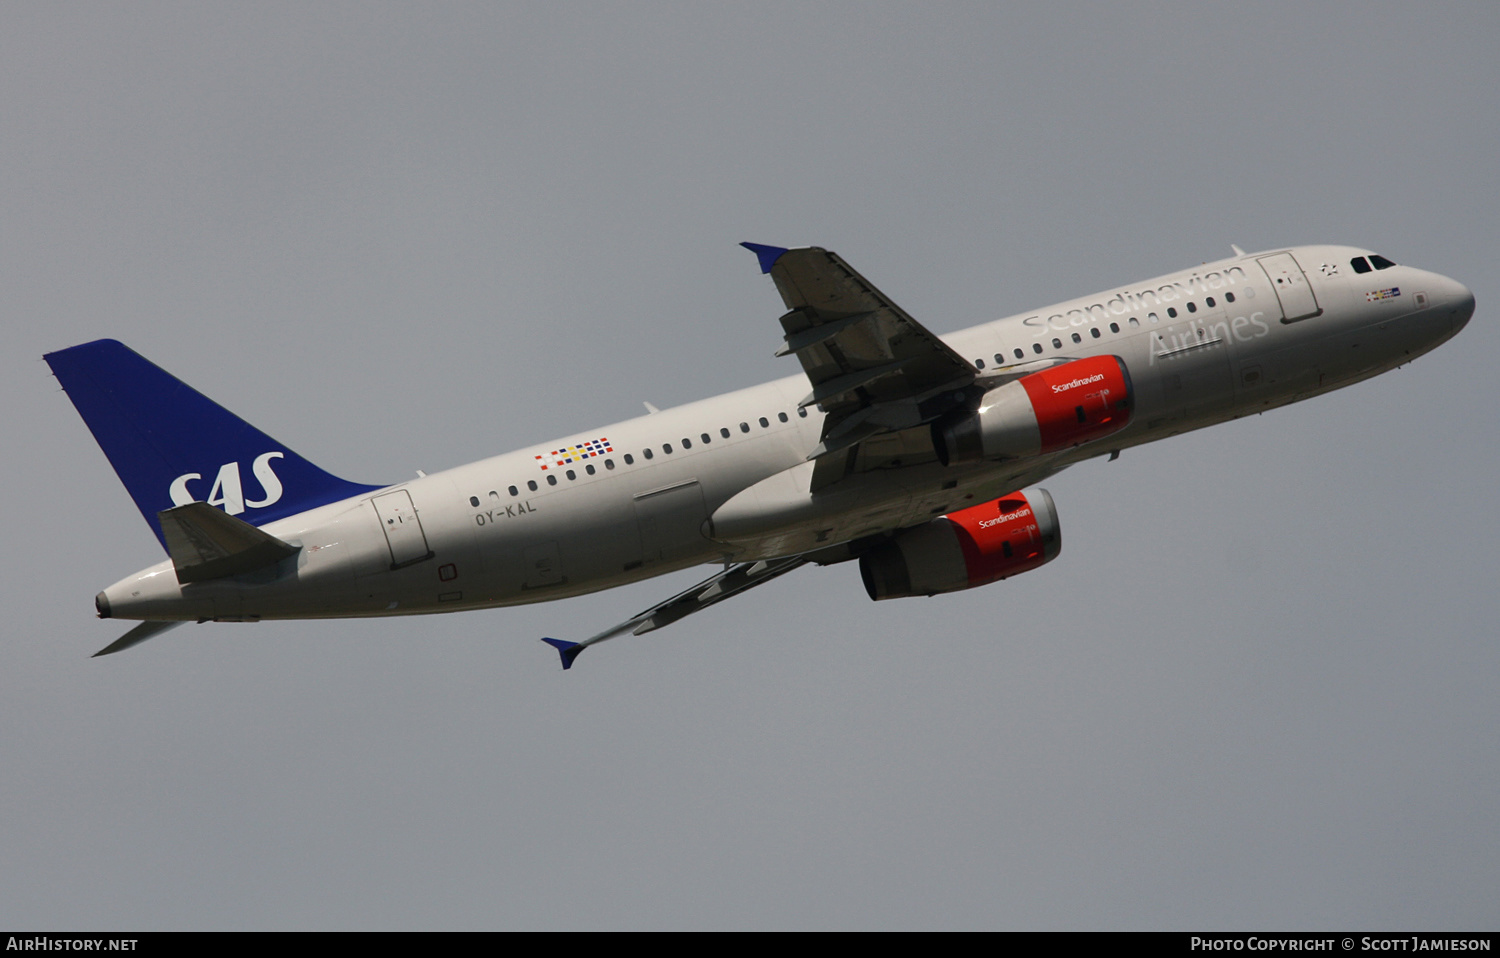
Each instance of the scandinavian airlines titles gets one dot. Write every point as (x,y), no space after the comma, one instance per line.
(1126,301)
(1064,387)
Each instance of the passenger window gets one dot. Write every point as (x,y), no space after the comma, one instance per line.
(1020,353)
(551,480)
(724,433)
(572,475)
(781,416)
(1210,302)
(1381,262)
(648,453)
(744,427)
(514,491)
(666,447)
(1094,331)
(1036,347)
(590,469)
(609,464)
(1114,327)
(1077,338)
(1172,311)
(1153,317)
(978,364)
(802,412)
(1057,344)
(687,443)
(474,501)
(531,484)
(629,460)
(765,423)
(1134,321)
(1228,297)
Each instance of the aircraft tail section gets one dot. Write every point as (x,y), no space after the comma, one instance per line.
(171,445)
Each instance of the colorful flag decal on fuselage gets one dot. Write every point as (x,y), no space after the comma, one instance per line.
(570,454)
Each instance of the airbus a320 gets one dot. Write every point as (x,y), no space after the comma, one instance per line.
(913,455)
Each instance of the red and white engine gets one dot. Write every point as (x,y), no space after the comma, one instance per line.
(1052,409)
(975,546)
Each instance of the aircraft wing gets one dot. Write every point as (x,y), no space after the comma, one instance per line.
(711,591)
(873,368)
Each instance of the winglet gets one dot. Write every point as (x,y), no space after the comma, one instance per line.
(567,651)
(768,255)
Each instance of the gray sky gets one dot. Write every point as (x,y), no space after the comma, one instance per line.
(1256,691)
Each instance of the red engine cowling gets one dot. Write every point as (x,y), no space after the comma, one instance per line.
(1052,409)
(975,546)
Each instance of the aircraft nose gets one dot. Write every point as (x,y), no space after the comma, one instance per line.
(1461,303)
(1449,297)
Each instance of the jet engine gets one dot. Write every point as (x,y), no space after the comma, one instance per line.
(975,546)
(1052,409)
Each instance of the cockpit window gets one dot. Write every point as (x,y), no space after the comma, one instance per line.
(1359,264)
(1380,261)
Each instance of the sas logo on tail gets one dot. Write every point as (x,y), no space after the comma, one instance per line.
(228,491)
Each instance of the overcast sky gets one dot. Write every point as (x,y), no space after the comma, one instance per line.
(1256,691)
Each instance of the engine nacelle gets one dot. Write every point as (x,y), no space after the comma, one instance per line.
(1052,409)
(975,546)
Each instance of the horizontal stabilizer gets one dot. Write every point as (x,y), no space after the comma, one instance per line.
(205,543)
(568,651)
(135,636)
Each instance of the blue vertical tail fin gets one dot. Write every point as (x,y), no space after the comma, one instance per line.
(171,445)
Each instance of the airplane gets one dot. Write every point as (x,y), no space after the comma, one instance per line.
(914,455)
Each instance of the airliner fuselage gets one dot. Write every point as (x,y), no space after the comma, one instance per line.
(763,474)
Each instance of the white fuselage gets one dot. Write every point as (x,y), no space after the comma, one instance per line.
(725,479)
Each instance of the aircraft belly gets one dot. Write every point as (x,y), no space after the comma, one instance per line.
(778,517)
(669,521)
(1347,357)
(549,545)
